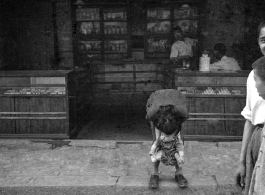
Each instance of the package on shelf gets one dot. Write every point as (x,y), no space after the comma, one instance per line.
(35,91)
(209,90)
(58,90)
(223,91)
(87,14)
(11,91)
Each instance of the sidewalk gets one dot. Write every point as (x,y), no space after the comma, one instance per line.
(111,167)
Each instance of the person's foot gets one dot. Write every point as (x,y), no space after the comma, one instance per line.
(181,180)
(153,183)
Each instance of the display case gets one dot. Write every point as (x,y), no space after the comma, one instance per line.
(158,32)
(215,101)
(160,21)
(40,104)
(101,32)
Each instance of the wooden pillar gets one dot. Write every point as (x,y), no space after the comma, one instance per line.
(64,34)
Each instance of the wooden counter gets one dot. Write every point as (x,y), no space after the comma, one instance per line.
(215,101)
(42,104)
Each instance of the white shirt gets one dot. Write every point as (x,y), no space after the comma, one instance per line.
(181,48)
(254,110)
(226,63)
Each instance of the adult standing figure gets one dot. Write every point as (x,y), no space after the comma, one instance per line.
(181,53)
(255,119)
(182,47)
(257,184)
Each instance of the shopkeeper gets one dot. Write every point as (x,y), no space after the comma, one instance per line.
(223,62)
(182,47)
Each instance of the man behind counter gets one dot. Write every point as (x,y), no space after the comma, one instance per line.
(224,62)
(182,47)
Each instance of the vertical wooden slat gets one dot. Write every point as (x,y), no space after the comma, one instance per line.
(21,105)
(7,126)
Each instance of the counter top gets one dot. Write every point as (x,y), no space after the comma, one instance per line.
(243,73)
(131,61)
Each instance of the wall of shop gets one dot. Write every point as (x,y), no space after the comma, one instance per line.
(222,22)
(38,34)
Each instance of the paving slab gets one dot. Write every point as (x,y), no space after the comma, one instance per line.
(112,167)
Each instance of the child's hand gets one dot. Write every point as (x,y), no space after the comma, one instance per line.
(153,158)
(180,159)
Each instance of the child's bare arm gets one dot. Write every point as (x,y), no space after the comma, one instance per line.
(153,148)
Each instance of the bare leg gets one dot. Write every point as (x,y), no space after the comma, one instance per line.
(156,167)
(154,179)
(180,179)
(178,170)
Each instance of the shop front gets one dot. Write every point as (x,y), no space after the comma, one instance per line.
(121,54)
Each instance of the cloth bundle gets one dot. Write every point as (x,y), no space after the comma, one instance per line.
(166,97)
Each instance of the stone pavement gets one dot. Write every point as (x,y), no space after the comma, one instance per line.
(111,167)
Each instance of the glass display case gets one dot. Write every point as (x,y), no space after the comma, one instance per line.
(40,104)
(214,101)
(101,33)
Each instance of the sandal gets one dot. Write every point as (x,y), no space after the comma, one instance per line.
(153,183)
(181,180)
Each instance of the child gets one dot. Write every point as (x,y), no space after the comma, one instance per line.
(166,111)
(168,149)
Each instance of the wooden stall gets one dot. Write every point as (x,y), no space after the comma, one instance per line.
(215,101)
(125,85)
(42,104)
(126,46)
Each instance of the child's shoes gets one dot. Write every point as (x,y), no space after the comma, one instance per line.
(181,180)
(153,183)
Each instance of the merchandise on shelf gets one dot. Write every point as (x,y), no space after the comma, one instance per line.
(88,28)
(185,11)
(87,14)
(36,91)
(158,27)
(115,28)
(158,14)
(114,15)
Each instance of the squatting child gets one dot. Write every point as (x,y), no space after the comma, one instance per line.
(166,111)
